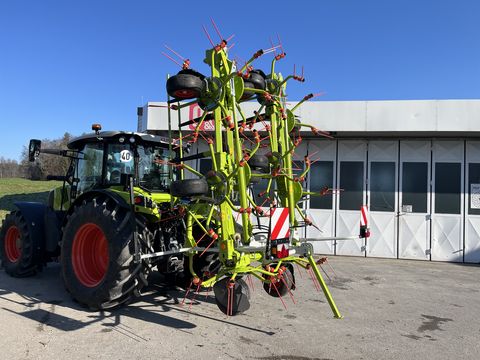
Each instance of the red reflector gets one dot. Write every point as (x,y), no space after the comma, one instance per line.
(138,200)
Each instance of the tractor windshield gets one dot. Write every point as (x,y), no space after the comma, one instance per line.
(154,173)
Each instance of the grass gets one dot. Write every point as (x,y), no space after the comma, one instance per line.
(12,190)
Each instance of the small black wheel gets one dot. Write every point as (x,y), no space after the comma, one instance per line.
(239,296)
(272,88)
(19,252)
(187,84)
(281,286)
(257,78)
(259,162)
(189,187)
(247,94)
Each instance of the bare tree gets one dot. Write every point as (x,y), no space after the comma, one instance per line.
(47,164)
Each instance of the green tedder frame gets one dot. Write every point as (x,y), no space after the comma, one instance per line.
(234,141)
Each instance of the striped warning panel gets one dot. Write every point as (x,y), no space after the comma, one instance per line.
(363,218)
(280,224)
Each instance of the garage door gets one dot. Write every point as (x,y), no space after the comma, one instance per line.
(322,208)
(382,199)
(414,211)
(351,175)
(447,201)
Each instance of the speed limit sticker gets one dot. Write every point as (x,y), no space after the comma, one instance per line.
(125,156)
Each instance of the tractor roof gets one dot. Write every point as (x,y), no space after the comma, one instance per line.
(106,136)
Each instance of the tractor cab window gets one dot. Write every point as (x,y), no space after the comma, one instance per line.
(154,173)
(89,169)
(120,160)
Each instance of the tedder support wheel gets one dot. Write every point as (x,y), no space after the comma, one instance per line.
(20,254)
(259,162)
(257,78)
(247,94)
(98,253)
(187,84)
(232,297)
(281,286)
(189,187)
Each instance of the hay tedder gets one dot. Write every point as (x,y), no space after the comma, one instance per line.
(131,204)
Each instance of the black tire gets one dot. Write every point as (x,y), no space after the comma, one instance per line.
(259,162)
(247,94)
(189,187)
(187,84)
(257,78)
(241,296)
(205,267)
(282,287)
(19,252)
(112,279)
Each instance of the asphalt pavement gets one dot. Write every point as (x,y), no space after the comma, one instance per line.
(393,309)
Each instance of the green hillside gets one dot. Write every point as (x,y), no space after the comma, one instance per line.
(12,190)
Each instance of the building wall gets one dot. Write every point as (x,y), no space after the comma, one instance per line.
(423,196)
(416,164)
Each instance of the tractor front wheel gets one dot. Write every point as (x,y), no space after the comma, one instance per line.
(18,251)
(98,253)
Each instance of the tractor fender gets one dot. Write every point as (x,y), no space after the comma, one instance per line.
(34,214)
(93,193)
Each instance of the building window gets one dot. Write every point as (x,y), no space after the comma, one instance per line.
(415,186)
(351,185)
(448,178)
(382,186)
(321,177)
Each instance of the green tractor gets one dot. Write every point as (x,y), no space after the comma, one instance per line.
(114,208)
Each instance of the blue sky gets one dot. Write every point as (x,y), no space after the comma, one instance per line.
(67,64)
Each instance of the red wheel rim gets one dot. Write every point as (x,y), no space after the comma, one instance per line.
(185,93)
(90,255)
(13,249)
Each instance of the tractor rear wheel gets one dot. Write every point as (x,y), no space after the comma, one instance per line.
(98,253)
(18,251)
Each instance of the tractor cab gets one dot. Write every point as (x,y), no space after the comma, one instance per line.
(105,159)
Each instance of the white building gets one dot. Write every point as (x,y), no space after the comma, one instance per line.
(416,164)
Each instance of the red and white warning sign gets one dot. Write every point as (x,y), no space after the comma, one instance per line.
(280,232)
(280,224)
(364,230)
(364,217)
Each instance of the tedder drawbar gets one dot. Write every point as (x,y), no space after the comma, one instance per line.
(130,204)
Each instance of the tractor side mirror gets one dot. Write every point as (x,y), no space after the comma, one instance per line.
(34,148)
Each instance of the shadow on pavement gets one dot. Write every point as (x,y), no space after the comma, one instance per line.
(41,295)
